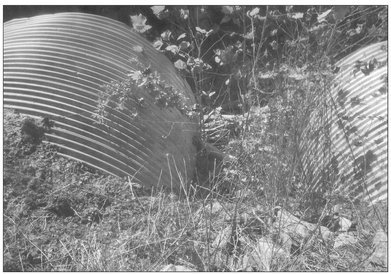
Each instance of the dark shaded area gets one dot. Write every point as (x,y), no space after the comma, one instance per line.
(342,97)
(116,12)
(31,133)
(62,208)
(363,164)
(120,13)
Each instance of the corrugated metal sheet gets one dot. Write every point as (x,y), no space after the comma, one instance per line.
(55,66)
(345,143)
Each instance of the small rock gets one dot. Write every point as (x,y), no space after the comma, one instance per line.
(344,224)
(176,268)
(285,241)
(344,239)
(379,256)
(216,207)
(244,193)
(262,254)
(297,229)
(223,238)
(265,251)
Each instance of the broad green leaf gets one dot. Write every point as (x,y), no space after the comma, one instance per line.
(254,12)
(209,33)
(166,35)
(184,13)
(227,10)
(173,48)
(179,64)
(273,32)
(249,35)
(323,16)
(183,35)
(158,44)
(138,22)
(297,15)
(200,30)
(157,10)
(184,45)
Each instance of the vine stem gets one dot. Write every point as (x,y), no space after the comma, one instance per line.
(255,61)
(259,47)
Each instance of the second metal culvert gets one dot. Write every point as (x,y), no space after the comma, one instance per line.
(345,144)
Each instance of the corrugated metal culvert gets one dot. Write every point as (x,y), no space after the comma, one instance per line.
(59,65)
(345,143)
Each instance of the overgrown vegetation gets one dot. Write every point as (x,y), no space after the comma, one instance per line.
(129,94)
(259,68)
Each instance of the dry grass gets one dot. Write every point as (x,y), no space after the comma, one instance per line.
(77,220)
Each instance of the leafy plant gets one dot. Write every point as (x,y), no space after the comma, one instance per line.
(224,49)
(128,95)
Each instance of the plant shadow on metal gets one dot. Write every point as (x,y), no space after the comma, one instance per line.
(78,69)
(344,145)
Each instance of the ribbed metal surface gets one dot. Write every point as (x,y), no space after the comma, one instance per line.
(55,66)
(345,143)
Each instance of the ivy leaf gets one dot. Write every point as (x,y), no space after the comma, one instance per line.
(351,32)
(200,30)
(297,15)
(184,45)
(254,12)
(274,45)
(144,81)
(138,22)
(273,32)
(183,35)
(204,32)
(184,14)
(158,44)
(249,35)
(157,10)
(322,17)
(179,64)
(227,10)
(173,48)
(166,35)
(359,28)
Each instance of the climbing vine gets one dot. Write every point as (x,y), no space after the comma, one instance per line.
(129,94)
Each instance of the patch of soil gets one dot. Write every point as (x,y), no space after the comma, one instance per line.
(49,199)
